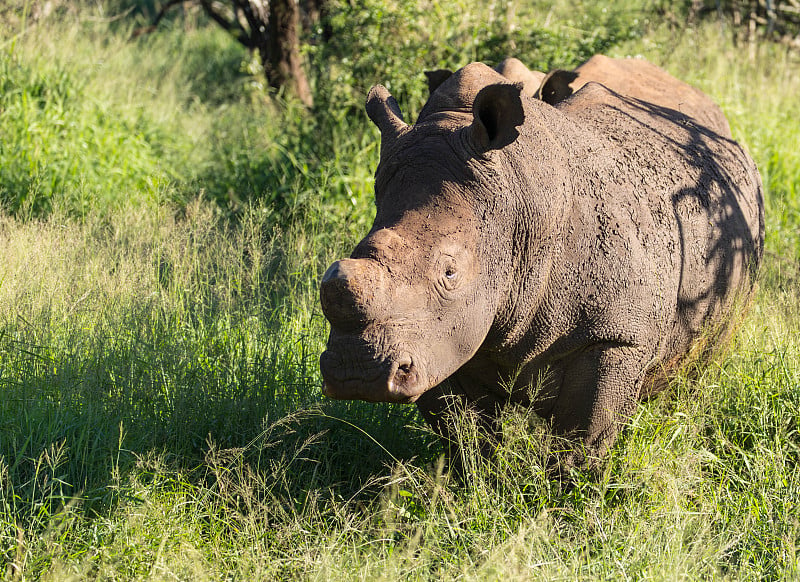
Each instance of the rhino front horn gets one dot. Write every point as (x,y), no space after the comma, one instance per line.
(384,112)
(350,293)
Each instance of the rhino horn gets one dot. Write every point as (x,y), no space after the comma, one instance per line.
(497,112)
(351,293)
(384,112)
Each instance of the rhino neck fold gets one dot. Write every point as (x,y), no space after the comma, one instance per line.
(543,198)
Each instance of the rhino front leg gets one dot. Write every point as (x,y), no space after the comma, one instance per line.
(598,395)
(444,408)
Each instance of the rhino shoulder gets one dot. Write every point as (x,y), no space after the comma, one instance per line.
(590,96)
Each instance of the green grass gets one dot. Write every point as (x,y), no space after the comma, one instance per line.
(165,224)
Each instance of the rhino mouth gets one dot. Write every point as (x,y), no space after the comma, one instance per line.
(390,380)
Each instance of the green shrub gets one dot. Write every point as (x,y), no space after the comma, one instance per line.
(393,43)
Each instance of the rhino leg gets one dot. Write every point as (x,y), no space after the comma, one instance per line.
(598,395)
(444,408)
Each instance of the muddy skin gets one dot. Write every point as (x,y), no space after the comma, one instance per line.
(639,79)
(512,69)
(596,242)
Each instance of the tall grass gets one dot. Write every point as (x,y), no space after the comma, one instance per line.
(164,229)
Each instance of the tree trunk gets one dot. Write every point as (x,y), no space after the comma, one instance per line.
(280,54)
(269,26)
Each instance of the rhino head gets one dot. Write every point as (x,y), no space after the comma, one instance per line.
(421,292)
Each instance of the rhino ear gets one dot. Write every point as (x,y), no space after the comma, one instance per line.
(555,86)
(436,78)
(384,112)
(497,113)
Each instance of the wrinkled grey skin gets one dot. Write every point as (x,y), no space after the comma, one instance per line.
(631,77)
(562,257)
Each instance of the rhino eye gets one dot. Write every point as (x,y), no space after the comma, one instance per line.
(449,273)
(451,279)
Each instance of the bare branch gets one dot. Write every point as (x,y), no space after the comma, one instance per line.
(256,14)
(234,28)
(161,13)
(164,9)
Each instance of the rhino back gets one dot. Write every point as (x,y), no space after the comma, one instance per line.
(639,79)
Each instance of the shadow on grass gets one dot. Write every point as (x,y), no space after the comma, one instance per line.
(81,429)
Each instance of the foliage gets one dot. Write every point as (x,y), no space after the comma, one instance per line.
(68,126)
(394,42)
(83,135)
(773,19)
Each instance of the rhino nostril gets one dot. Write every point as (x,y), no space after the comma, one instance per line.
(405,377)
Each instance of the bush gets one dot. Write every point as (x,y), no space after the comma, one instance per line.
(393,43)
(181,111)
